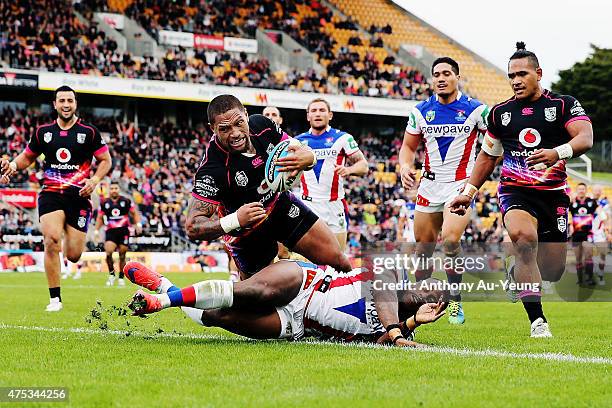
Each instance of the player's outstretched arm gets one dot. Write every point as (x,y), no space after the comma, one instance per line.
(9,168)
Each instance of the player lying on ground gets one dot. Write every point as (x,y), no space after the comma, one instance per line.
(293,300)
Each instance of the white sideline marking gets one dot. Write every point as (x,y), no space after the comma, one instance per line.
(465,352)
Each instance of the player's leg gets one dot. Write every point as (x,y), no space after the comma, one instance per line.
(577,246)
(264,323)
(52,227)
(74,245)
(522,228)
(587,256)
(275,285)
(427,226)
(320,246)
(109,248)
(453,227)
(122,249)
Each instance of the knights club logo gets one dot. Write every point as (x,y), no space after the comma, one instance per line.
(430,115)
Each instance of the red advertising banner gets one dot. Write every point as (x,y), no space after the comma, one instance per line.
(211,42)
(19,198)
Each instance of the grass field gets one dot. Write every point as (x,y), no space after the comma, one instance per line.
(166,360)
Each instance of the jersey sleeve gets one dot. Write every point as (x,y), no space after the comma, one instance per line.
(34,146)
(208,183)
(413,127)
(350,145)
(481,120)
(99,145)
(492,125)
(260,126)
(573,111)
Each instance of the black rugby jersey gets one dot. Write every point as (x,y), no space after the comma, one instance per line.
(116,214)
(231,180)
(583,213)
(526,126)
(68,155)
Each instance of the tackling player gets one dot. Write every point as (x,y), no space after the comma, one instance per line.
(338,157)
(583,211)
(115,213)
(448,123)
(536,131)
(232,199)
(69,146)
(294,300)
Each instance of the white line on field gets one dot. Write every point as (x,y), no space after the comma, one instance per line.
(465,352)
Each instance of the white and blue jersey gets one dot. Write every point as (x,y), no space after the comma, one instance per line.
(450,133)
(331,148)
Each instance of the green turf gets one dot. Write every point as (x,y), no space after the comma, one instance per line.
(602,177)
(149,368)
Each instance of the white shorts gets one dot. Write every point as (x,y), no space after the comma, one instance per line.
(333,213)
(433,196)
(292,314)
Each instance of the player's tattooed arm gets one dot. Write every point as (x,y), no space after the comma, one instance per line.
(356,164)
(202,221)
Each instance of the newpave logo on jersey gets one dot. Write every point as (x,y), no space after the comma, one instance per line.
(325,153)
(446,129)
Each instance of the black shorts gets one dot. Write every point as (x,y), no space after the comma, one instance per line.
(76,208)
(550,208)
(288,222)
(579,237)
(120,236)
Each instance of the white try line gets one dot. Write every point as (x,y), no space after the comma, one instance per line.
(465,352)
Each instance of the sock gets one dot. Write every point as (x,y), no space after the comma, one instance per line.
(532,302)
(589,269)
(210,294)
(79,266)
(121,274)
(167,286)
(602,265)
(454,278)
(580,271)
(55,293)
(112,273)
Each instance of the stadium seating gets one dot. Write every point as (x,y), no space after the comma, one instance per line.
(480,79)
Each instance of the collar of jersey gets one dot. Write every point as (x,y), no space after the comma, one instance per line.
(327,129)
(459,95)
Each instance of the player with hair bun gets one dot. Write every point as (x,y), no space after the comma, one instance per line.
(535,131)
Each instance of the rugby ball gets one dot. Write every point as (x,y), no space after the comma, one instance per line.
(280,181)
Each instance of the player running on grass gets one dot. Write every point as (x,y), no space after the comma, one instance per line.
(535,131)
(115,212)
(293,300)
(69,146)
(448,123)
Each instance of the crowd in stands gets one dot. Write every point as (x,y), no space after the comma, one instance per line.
(155,164)
(50,36)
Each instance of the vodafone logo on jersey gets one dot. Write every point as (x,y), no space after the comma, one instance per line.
(63,155)
(115,212)
(530,137)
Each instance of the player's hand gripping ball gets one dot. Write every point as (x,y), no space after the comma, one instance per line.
(281,181)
